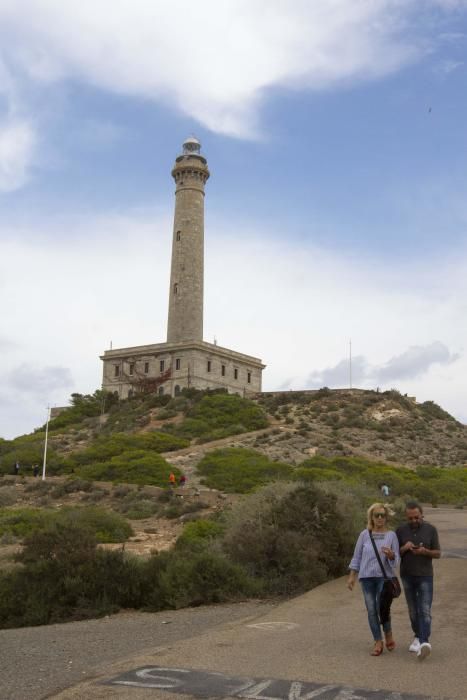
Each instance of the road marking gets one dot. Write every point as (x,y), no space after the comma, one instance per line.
(274,626)
(205,684)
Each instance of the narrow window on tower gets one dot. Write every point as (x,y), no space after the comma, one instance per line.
(209,365)
(131,368)
(223,370)
(248,377)
(179,235)
(161,365)
(235,373)
(116,371)
(177,363)
(146,368)
(175,288)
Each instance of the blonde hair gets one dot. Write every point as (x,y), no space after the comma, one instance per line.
(385,506)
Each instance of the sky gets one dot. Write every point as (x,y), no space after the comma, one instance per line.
(336,212)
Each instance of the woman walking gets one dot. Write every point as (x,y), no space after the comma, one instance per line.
(365,564)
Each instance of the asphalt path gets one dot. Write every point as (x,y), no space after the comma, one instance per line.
(38,662)
(316,645)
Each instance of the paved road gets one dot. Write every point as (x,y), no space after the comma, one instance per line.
(316,645)
(38,662)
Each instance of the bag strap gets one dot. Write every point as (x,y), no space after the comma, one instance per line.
(377,555)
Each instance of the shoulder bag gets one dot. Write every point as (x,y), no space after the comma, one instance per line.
(391,587)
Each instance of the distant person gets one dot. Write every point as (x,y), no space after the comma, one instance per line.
(35,470)
(172,479)
(419,545)
(366,566)
(16,468)
(182,480)
(385,490)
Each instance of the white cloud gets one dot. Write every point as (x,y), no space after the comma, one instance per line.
(414,362)
(17,149)
(39,381)
(211,60)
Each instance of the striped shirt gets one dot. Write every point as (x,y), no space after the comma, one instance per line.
(364,558)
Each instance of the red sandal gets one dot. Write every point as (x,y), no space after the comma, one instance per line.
(377,651)
(390,646)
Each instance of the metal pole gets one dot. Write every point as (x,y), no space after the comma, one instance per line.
(350,362)
(45,444)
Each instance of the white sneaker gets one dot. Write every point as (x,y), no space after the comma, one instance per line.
(415,646)
(424,651)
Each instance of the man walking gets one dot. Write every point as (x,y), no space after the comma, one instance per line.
(419,545)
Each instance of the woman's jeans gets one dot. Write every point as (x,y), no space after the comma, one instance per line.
(419,596)
(372,588)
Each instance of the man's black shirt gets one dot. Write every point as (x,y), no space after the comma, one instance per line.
(425,535)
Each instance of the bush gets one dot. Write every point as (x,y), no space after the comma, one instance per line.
(105,526)
(290,537)
(84,406)
(219,415)
(177,580)
(144,444)
(131,467)
(238,470)
(65,577)
(199,531)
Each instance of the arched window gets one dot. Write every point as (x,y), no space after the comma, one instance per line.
(175,288)
(177,390)
(161,391)
(179,235)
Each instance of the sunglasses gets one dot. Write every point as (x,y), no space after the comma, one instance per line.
(379,515)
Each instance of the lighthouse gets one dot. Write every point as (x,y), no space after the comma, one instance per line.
(185,360)
(190,172)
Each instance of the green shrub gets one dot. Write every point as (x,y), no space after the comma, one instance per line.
(176,580)
(65,577)
(83,406)
(426,483)
(106,526)
(219,415)
(290,537)
(239,470)
(27,450)
(106,447)
(137,505)
(131,467)
(199,531)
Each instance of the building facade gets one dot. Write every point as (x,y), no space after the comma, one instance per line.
(185,360)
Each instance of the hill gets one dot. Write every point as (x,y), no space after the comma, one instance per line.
(257,472)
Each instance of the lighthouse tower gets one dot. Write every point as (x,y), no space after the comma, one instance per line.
(185,360)
(190,173)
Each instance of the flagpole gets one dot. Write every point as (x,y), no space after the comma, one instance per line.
(350,363)
(45,443)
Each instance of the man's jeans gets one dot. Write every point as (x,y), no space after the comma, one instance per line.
(419,596)
(372,588)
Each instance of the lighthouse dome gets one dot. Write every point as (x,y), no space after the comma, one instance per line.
(191,145)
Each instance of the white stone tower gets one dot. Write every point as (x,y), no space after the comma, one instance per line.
(190,172)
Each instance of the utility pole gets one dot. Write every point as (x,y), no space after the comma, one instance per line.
(45,443)
(350,363)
